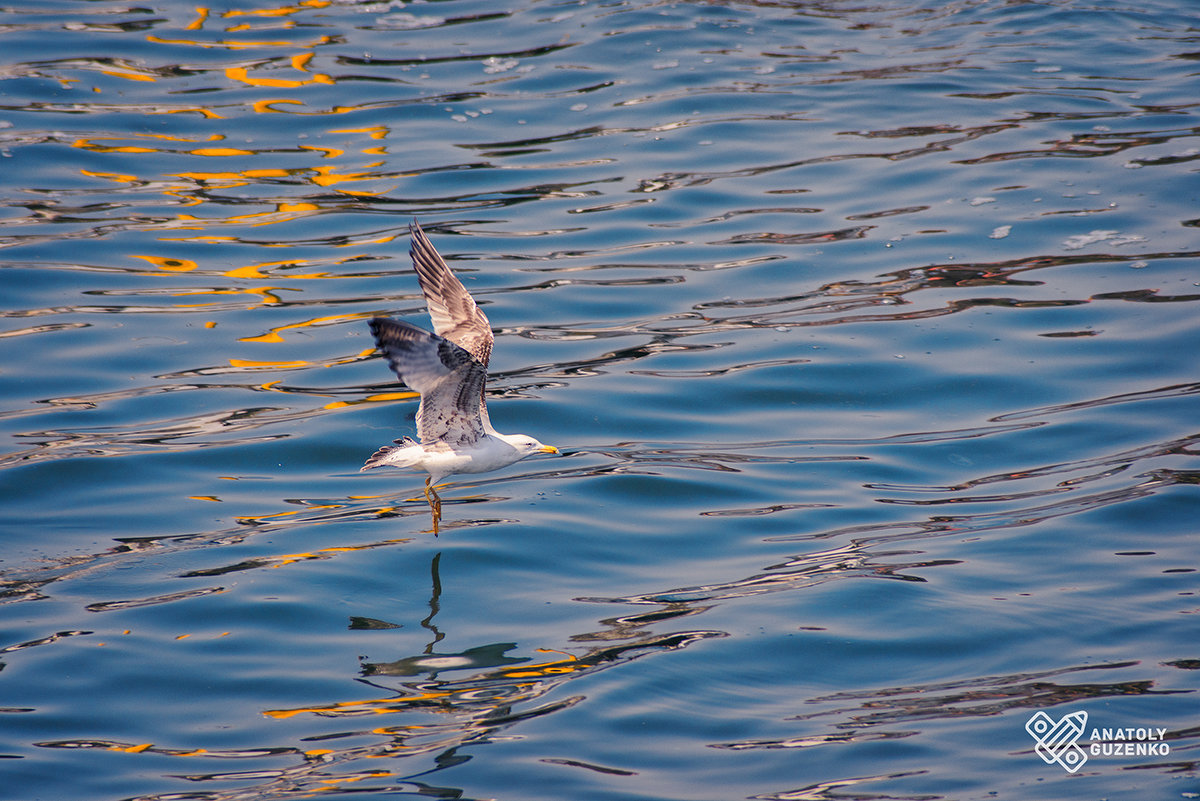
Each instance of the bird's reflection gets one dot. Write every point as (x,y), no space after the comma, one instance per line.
(430,662)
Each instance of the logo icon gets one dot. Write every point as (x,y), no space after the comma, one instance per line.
(1056,739)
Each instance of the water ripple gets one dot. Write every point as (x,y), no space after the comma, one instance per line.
(809,295)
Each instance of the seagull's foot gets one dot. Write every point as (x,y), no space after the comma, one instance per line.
(435,505)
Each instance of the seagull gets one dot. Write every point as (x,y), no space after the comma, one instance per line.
(449,370)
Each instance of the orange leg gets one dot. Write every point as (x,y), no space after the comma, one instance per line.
(435,504)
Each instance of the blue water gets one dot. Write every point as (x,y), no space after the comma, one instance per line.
(867,332)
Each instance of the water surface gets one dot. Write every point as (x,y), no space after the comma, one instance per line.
(866,332)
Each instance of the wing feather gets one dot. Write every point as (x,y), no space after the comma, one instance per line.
(453,310)
(449,379)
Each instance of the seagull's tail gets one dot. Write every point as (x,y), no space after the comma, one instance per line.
(405,453)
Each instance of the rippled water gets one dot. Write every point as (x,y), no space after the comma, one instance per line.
(867,332)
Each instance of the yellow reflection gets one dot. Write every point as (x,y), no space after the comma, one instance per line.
(168,264)
(378,706)
(283,212)
(257,365)
(392,396)
(242,45)
(90,143)
(275,335)
(282,11)
(381,397)
(265,106)
(226,180)
(330,152)
(202,239)
(327,177)
(364,193)
(375,131)
(130,75)
(249,364)
(94,144)
(207,113)
(264,270)
(380,241)
(112,176)
(358,777)
(299,63)
(277,515)
(292,558)
(256,270)
(569,664)
(220,151)
(266,295)
(198,22)
(370,706)
(321,176)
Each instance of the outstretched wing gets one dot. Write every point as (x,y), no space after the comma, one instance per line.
(449,379)
(453,310)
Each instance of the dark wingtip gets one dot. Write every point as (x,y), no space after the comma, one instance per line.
(393,336)
(376,324)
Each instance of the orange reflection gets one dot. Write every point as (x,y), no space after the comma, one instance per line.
(198,22)
(283,212)
(268,107)
(325,553)
(256,270)
(241,74)
(94,145)
(275,335)
(266,295)
(299,63)
(421,697)
(325,176)
(254,364)
(381,397)
(375,131)
(227,180)
(169,264)
(569,664)
(246,45)
(130,75)
(282,11)
(369,706)
(330,152)
(221,151)
(379,132)
(112,176)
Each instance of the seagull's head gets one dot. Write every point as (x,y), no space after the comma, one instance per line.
(527,446)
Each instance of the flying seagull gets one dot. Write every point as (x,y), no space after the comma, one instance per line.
(449,369)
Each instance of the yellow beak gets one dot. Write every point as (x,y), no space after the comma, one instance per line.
(547,449)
